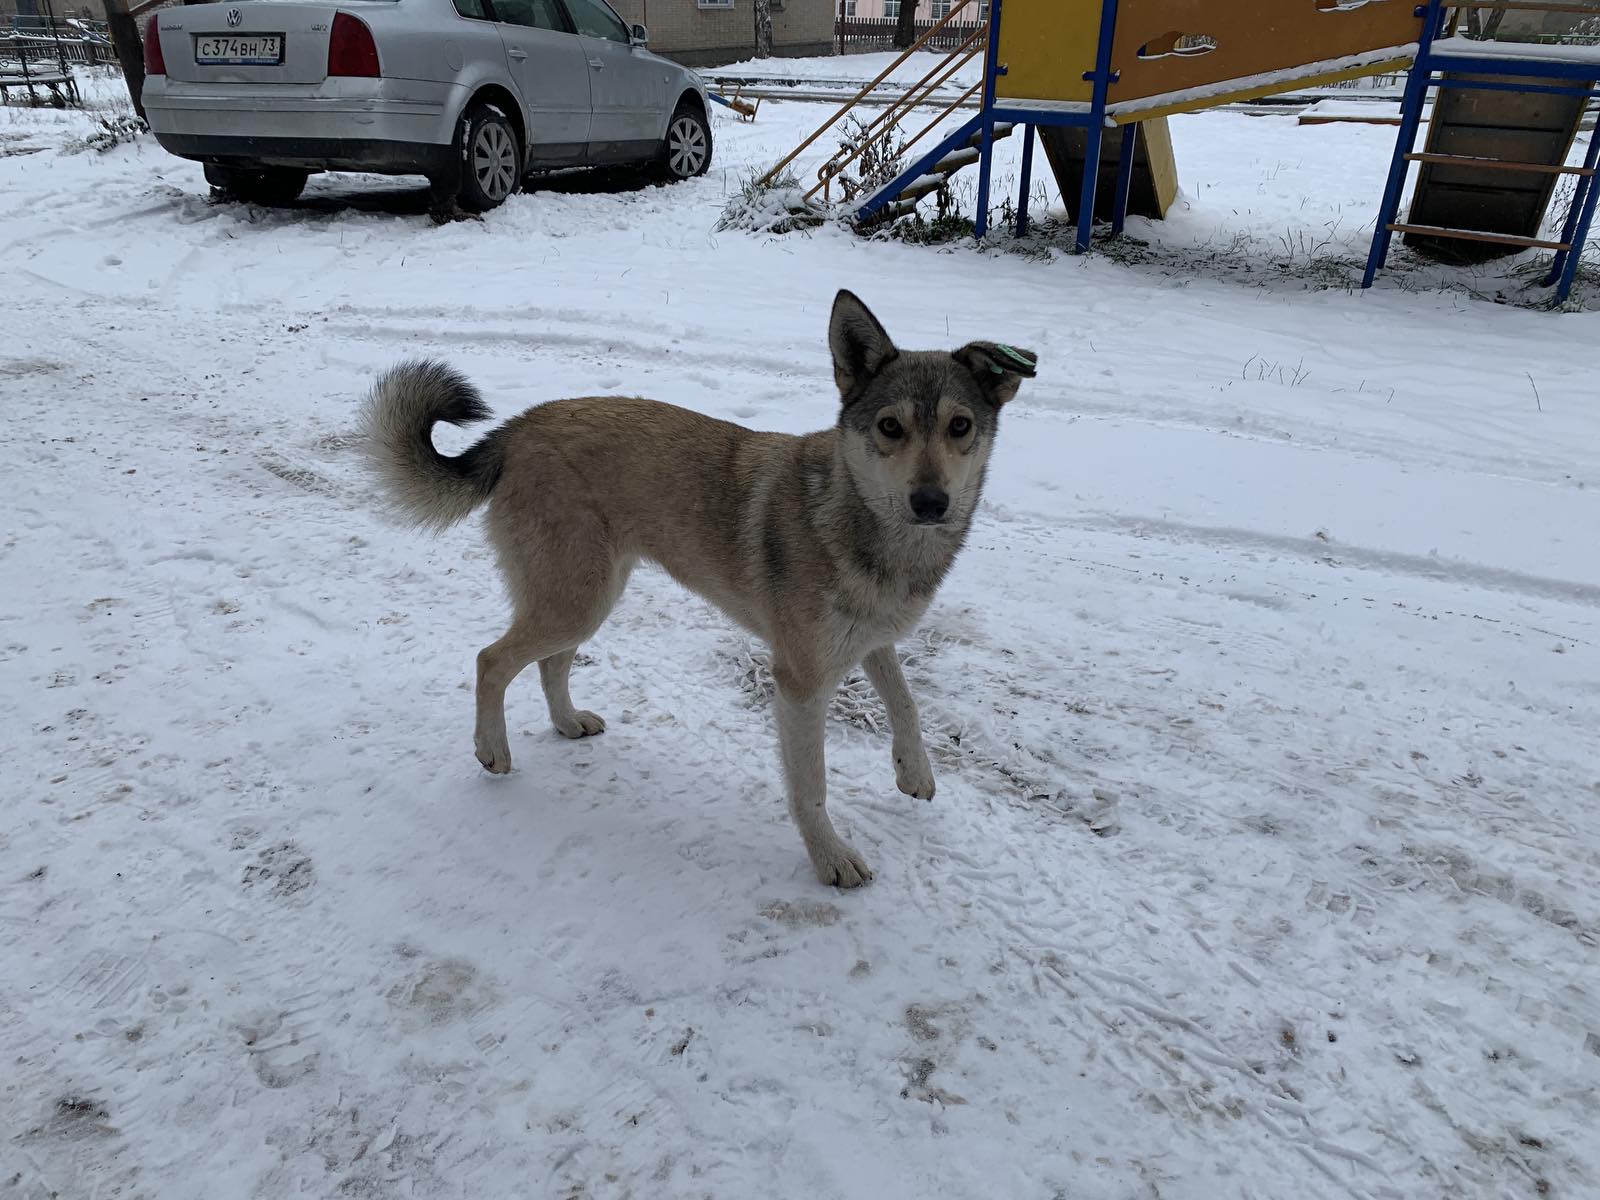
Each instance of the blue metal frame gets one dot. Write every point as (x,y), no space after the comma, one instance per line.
(889,191)
(1027,179)
(1564,270)
(1425,75)
(1102,77)
(991,68)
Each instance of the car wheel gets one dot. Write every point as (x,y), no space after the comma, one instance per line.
(492,154)
(270,186)
(686,152)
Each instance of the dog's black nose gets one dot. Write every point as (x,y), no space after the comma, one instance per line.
(930,503)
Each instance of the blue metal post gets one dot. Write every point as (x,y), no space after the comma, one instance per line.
(1027,179)
(1581,233)
(1569,228)
(1095,132)
(1416,95)
(991,64)
(1119,212)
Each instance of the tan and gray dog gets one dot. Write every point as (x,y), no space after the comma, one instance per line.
(827,545)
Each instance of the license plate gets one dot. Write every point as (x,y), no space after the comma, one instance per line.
(238,50)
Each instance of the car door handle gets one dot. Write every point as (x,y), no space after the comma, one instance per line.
(597,64)
(519,55)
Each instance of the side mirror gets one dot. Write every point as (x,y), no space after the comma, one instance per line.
(638,35)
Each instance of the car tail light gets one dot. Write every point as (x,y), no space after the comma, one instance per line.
(154,63)
(351,50)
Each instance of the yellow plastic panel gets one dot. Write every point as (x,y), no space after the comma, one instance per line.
(1160,45)
(1163,166)
(1046,46)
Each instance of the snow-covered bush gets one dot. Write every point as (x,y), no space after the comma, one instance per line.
(110,132)
(776,207)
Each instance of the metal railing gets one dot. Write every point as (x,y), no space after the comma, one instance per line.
(882,127)
(30,38)
(887,122)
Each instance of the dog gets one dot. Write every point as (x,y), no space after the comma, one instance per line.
(829,545)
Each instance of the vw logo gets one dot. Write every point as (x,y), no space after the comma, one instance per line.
(234,17)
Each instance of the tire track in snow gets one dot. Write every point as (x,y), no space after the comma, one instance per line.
(1391,562)
(617,350)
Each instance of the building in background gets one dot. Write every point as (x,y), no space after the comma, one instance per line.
(709,32)
(31,13)
(927,10)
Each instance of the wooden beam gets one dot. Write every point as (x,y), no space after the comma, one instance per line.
(1472,235)
(1497,164)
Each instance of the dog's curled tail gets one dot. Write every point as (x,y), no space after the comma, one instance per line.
(433,490)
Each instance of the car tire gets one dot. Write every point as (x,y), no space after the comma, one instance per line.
(491,159)
(270,186)
(686,150)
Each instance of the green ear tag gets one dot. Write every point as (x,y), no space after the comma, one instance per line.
(1025,364)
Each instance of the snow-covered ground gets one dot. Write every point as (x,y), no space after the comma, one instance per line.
(1266,856)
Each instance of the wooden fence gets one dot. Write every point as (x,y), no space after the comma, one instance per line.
(877,33)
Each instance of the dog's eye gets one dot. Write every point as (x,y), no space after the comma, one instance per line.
(960,426)
(890,428)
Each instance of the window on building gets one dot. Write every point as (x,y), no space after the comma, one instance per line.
(891,9)
(715,3)
(849,8)
(940,10)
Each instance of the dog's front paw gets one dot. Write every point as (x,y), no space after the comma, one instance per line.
(493,753)
(581,724)
(838,865)
(913,773)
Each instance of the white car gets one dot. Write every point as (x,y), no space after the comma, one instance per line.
(473,94)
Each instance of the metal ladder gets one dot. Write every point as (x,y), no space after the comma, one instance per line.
(1455,63)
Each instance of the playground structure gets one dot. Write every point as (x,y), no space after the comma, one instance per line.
(1077,72)
(745,109)
(1502,127)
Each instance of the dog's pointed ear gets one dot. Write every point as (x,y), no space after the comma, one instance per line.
(861,348)
(999,369)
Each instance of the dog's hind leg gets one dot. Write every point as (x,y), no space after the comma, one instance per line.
(913,773)
(569,721)
(498,664)
(802,704)
(564,576)
(558,609)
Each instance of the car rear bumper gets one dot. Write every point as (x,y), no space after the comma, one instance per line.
(312,154)
(354,111)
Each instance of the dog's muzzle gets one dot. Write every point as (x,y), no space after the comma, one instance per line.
(929,505)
